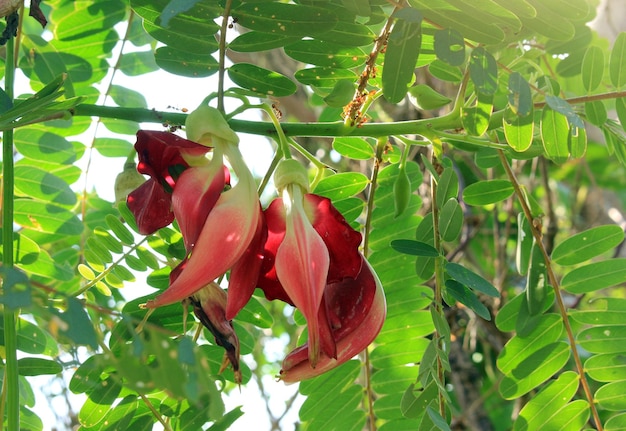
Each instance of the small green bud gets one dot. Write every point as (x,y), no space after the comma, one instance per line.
(290,171)
(127,181)
(205,123)
(401,192)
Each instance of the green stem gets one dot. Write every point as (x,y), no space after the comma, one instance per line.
(380,147)
(222,56)
(439,280)
(10,331)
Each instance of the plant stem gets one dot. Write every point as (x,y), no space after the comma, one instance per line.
(439,277)
(222,56)
(10,331)
(380,147)
(537,234)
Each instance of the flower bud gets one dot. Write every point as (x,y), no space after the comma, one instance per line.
(127,181)
(290,171)
(206,123)
(401,192)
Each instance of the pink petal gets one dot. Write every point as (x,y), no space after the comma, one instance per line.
(224,238)
(302,267)
(245,273)
(196,192)
(351,337)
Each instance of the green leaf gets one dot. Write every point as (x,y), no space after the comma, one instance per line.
(617,61)
(544,406)
(616,423)
(534,370)
(324,77)
(414,248)
(471,279)
(475,119)
(450,220)
(585,245)
(185,64)
(487,192)
(255,41)
(445,72)
(427,98)
(46,146)
(603,339)
(398,353)
(43,185)
(561,106)
(518,130)
(118,228)
(261,80)
(606,367)
(483,70)
(520,97)
(536,281)
(284,19)
(577,142)
(595,276)
(320,53)
(38,366)
(592,68)
(414,402)
(342,185)
(46,217)
(349,34)
(125,97)
(596,113)
(524,244)
(174,8)
(340,95)
(611,396)
(466,297)
(450,46)
(403,48)
(353,148)
(554,135)
(447,186)
(77,325)
(138,63)
(605,311)
(620,107)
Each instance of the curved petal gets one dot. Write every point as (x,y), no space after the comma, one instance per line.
(152,207)
(302,263)
(268,280)
(351,338)
(245,273)
(341,240)
(224,238)
(196,192)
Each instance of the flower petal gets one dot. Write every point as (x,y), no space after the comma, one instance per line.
(224,238)
(340,238)
(351,337)
(268,280)
(152,207)
(196,192)
(302,263)
(245,273)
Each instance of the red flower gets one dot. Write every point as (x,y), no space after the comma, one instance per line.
(356,309)
(162,156)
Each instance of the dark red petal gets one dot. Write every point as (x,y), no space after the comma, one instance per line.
(245,273)
(152,207)
(160,151)
(268,280)
(341,240)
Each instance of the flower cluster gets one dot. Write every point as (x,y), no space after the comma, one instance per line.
(299,249)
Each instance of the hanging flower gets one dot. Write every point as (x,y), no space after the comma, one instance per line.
(356,309)
(309,248)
